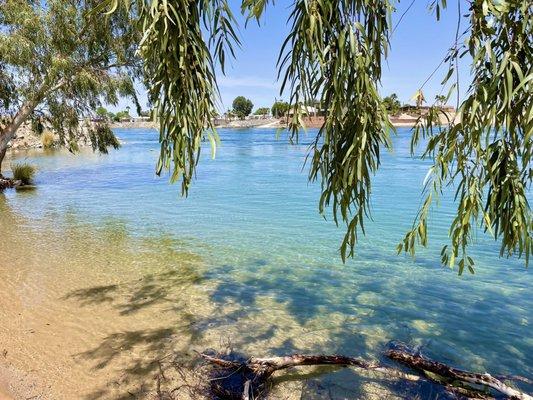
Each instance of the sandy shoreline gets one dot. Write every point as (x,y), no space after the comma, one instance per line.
(4,383)
(90,313)
(16,384)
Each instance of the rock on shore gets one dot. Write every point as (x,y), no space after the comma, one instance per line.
(26,138)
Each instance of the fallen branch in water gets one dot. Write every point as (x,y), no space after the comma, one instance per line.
(246,380)
(418,362)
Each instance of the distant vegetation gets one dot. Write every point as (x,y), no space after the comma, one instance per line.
(101,112)
(104,115)
(119,116)
(23,172)
(147,114)
(280,108)
(262,111)
(242,107)
(392,104)
(440,100)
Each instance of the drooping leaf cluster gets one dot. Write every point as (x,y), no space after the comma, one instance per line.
(334,54)
(102,138)
(181,44)
(485,152)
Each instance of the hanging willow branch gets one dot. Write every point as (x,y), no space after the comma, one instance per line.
(334,53)
(485,152)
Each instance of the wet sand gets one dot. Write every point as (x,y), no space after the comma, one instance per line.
(85,314)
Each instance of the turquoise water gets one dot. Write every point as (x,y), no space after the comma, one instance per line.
(272,261)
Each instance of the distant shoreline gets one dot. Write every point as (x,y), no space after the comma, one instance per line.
(26,139)
(314,122)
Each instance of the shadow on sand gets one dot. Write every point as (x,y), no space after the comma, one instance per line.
(137,357)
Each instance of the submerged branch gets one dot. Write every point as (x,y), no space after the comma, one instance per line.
(248,379)
(418,362)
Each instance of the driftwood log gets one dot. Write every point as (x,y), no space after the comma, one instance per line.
(249,379)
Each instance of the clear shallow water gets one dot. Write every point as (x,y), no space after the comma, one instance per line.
(270,274)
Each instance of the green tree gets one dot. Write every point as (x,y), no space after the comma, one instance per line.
(229,114)
(58,60)
(242,107)
(280,108)
(334,52)
(120,115)
(440,100)
(102,112)
(392,104)
(262,111)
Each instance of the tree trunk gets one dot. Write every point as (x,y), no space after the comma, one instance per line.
(2,155)
(10,130)
(8,133)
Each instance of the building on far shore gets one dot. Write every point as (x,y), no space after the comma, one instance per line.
(142,118)
(422,110)
(306,110)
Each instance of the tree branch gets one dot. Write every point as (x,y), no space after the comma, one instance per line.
(244,380)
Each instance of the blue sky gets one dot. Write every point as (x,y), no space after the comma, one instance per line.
(417,46)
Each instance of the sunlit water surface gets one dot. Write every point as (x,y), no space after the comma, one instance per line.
(105,267)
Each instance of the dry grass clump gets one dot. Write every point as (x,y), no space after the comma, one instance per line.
(47,139)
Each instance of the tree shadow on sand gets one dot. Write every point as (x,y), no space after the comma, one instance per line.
(131,297)
(265,314)
(133,356)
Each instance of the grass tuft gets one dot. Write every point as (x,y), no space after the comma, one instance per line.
(47,139)
(23,172)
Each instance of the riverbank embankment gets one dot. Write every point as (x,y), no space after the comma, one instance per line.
(27,139)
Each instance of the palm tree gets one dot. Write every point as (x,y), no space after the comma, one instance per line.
(419,98)
(440,99)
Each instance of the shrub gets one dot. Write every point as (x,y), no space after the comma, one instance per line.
(47,139)
(23,172)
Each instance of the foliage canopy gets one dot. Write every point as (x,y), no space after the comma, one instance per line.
(262,111)
(58,61)
(242,107)
(280,108)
